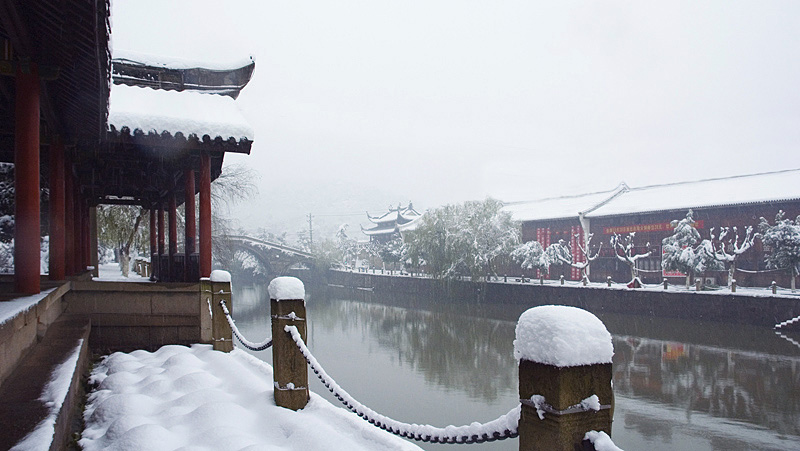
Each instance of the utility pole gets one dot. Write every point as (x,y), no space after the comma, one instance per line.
(310,231)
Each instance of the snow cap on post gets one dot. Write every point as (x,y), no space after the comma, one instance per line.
(284,288)
(219,275)
(562,336)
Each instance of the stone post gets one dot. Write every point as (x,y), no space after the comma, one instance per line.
(290,369)
(564,377)
(221,333)
(733,285)
(774,287)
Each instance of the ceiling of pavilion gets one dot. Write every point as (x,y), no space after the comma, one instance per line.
(121,161)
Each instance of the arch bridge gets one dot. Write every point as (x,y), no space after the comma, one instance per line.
(275,258)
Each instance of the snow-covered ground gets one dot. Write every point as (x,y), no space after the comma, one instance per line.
(195,398)
(111,272)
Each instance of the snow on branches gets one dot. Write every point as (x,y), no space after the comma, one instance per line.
(625,251)
(463,239)
(560,253)
(531,255)
(726,248)
(784,239)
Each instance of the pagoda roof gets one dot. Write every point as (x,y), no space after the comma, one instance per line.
(396,215)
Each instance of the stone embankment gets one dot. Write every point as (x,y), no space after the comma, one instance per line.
(736,308)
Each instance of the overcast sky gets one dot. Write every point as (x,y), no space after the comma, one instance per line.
(360,104)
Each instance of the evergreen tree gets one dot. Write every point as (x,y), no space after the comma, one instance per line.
(784,239)
(678,249)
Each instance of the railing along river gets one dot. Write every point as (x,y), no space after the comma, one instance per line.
(560,388)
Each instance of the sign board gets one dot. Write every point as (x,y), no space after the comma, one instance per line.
(658,227)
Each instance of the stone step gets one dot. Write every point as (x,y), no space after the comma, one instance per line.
(21,409)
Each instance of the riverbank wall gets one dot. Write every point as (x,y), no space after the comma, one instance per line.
(725,307)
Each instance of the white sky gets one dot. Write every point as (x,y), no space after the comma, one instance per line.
(439,101)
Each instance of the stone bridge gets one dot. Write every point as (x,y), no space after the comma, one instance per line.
(276,258)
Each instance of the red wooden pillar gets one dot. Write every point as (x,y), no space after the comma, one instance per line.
(57,216)
(191,226)
(153,245)
(173,236)
(77,233)
(27,245)
(69,223)
(205,214)
(161,231)
(86,235)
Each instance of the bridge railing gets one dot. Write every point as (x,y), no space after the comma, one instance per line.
(564,354)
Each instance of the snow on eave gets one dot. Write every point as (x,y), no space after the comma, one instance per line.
(189,113)
(170,62)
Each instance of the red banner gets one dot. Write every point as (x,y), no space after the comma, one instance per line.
(659,227)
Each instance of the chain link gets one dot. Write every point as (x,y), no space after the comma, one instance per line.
(246,343)
(405,430)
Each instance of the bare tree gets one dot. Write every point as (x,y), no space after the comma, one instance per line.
(561,253)
(624,250)
(728,248)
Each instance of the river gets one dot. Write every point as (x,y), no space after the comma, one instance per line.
(679,385)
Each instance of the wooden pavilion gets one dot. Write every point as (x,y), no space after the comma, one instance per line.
(59,117)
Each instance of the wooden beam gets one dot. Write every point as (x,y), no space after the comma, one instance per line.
(15,26)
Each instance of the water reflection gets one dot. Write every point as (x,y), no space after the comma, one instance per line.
(679,384)
(450,350)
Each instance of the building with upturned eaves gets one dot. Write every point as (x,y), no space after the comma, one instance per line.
(393,222)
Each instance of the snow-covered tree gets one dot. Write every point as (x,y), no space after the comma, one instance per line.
(347,245)
(531,255)
(463,239)
(625,252)
(393,251)
(119,228)
(784,239)
(726,248)
(678,249)
(560,253)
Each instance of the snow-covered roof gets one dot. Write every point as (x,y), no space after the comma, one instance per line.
(170,62)
(558,207)
(723,191)
(736,190)
(405,214)
(189,113)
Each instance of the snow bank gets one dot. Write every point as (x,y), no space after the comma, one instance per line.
(286,288)
(219,275)
(562,336)
(199,399)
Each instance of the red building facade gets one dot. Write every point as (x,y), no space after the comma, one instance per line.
(648,211)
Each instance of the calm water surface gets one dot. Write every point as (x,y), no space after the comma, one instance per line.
(680,385)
